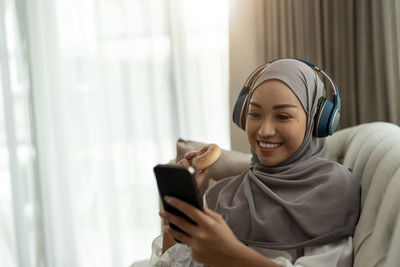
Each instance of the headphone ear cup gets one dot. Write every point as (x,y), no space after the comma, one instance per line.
(237,110)
(323,125)
(334,120)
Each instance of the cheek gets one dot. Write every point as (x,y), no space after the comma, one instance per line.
(294,135)
(298,141)
(251,128)
(251,131)
(300,133)
(250,134)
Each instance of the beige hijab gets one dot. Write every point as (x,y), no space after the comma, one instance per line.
(305,201)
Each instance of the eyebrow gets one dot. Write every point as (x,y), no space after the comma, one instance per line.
(274,107)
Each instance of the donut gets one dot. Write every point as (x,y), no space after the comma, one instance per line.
(207,156)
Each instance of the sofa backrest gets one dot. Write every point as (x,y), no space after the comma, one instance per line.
(372,151)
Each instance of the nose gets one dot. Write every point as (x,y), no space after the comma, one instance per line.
(267,128)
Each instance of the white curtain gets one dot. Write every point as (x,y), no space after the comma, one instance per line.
(94,94)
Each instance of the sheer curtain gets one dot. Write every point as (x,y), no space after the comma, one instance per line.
(19,229)
(94,94)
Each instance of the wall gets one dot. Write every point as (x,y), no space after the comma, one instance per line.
(246,44)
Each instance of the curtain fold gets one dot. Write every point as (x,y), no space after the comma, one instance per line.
(19,209)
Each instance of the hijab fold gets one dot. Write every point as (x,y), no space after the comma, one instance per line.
(304,201)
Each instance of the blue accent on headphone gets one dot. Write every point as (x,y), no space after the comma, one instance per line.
(328,112)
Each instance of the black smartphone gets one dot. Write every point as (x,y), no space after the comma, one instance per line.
(177,181)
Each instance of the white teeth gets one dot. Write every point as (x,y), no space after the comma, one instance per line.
(268,145)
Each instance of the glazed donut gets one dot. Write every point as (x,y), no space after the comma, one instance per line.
(207,156)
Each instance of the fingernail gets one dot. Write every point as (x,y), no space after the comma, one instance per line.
(168,199)
(162,213)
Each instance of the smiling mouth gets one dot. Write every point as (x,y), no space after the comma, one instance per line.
(268,147)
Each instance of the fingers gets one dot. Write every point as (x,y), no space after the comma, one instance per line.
(213,214)
(178,221)
(190,155)
(184,162)
(193,213)
(181,236)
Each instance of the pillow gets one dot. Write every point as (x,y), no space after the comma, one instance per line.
(229,164)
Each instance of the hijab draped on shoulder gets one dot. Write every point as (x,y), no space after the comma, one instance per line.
(306,200)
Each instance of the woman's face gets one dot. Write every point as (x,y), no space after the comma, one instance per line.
(276,122)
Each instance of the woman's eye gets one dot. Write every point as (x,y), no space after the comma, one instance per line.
(283,117)
(254,114)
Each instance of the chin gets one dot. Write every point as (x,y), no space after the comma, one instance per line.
(268,163)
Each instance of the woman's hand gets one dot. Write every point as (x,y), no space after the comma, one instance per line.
(211,240)
(186,161)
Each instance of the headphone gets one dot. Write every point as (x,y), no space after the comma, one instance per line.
(328,111)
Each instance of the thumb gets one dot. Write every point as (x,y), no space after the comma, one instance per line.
(183,162)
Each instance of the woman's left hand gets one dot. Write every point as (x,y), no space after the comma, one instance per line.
(211,240)
(201,175)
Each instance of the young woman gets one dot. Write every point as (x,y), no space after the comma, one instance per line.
(292,207)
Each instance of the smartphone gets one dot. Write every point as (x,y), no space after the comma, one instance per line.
(177,181)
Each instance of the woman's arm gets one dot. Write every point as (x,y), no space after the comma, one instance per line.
(211,240)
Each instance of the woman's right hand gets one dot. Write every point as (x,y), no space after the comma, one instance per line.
(186,161)
(211,240)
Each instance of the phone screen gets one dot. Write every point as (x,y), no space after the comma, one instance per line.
(177,181)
